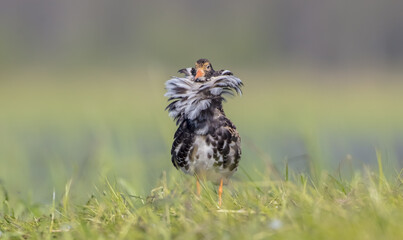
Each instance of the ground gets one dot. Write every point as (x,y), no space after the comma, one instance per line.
(367,207)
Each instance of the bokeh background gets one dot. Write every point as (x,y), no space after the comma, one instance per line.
(82,84)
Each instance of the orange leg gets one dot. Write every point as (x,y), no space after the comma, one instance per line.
(198,187)
(220,194)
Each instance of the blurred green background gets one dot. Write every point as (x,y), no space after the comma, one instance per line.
(82,84)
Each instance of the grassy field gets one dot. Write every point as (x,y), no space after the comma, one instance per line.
(367,207)
(86,156)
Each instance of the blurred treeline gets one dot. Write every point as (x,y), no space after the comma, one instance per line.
(91,32)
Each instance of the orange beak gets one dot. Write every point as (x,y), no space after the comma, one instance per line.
(199,73)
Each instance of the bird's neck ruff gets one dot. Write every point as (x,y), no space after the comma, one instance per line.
(190,99)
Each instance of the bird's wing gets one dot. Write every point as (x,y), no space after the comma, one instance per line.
(182,145)
(228,145)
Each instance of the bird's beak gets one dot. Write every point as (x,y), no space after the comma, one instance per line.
(199,73)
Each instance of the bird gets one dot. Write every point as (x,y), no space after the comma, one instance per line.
(206,143)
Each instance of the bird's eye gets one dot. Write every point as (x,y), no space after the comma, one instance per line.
(208,67)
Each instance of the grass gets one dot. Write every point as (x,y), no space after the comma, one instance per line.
(87,157)
(366,207)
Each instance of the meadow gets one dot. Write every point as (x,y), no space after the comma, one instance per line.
(85,155)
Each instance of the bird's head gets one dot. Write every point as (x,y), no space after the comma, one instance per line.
(204,70)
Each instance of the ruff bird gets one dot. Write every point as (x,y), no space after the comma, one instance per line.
(206,143)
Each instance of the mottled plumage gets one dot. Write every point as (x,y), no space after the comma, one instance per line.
(206,143)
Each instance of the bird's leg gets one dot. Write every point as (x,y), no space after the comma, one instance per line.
(198,187)
(220,193)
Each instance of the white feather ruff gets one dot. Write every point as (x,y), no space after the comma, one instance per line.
(190,98)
